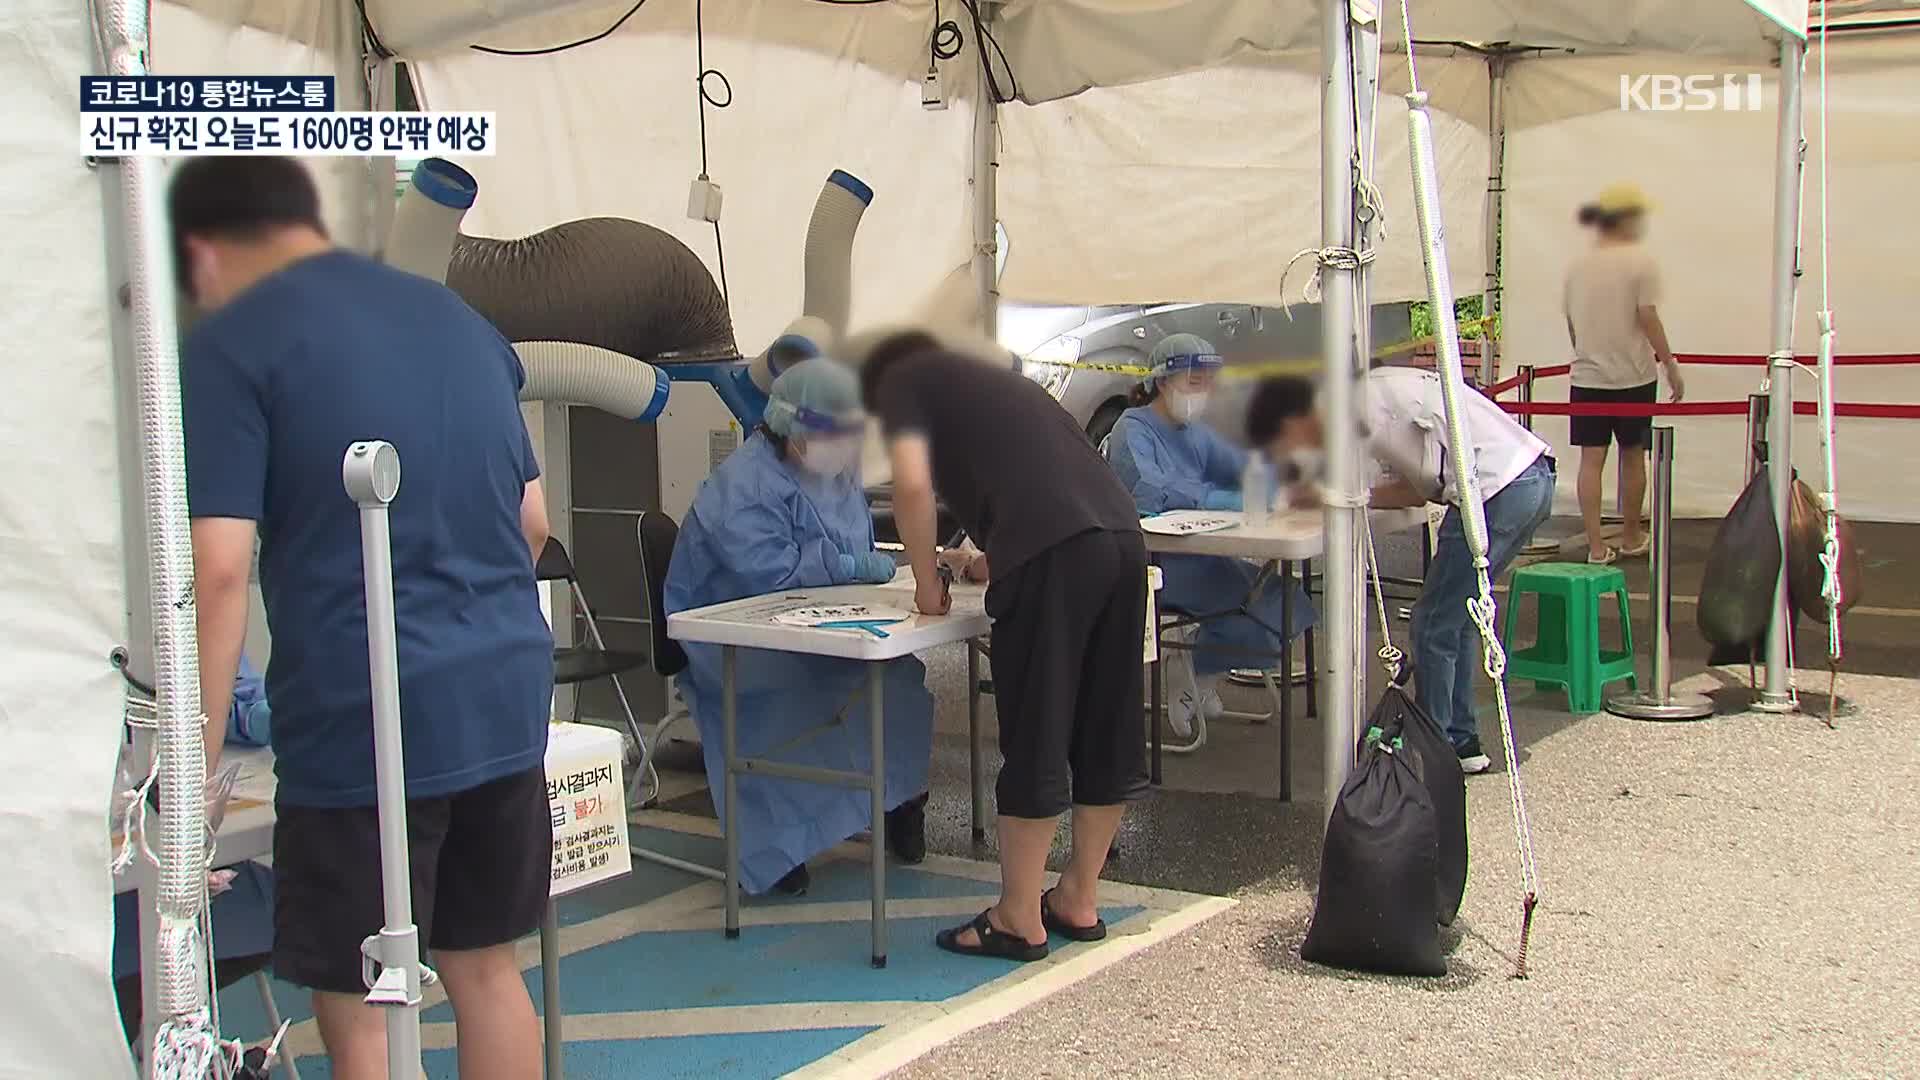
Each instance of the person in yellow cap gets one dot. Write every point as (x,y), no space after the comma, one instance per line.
(1611,301)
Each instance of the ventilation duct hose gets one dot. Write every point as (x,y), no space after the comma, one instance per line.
(569,373)
(829,262)
(427,221)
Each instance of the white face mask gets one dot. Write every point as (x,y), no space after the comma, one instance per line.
(1304,464)
(829,456)
(1187,407)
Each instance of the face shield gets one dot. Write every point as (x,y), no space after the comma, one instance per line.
(1187,380)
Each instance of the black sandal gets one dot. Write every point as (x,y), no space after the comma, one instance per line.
(994,942)
(1058,925)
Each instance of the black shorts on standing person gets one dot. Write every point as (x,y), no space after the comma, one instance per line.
(1068,566)
(1631,432)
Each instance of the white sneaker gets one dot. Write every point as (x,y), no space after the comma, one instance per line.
(1180,716)
(1210,704)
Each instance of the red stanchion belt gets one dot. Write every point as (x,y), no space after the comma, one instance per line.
(1862,410)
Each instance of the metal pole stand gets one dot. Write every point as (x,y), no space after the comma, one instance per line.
(390,960)
(1660,702)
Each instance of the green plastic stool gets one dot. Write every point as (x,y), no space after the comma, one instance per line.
(1567,654)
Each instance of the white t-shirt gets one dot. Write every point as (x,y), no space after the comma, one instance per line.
(1605,289)
(1407,433)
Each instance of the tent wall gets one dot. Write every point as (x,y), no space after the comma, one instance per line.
(1198,187)
(186,42)
(1712,176)
(61,561)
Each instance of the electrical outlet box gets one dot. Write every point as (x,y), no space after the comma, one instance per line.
(703,201)
(933,94)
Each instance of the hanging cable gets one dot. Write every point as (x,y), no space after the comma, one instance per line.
(706,99)
(551,49)
(947,41)
(983,39)
(1830,587)
(1468,502)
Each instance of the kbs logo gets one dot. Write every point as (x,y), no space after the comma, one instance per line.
(1690,93)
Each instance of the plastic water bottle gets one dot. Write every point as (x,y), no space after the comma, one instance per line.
(1256,489)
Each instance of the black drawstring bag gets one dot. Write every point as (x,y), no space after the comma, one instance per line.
(1376,907)
(1398,717)
(1736,594)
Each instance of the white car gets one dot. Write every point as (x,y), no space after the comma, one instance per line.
(1065,348)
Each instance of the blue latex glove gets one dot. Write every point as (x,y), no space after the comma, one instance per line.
(869,568)
(876,568)
(1221,500)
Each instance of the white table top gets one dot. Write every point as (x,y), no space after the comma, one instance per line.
(749,623)
(1292,535)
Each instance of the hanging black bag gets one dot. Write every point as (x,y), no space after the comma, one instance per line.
(1398,717)
(1376,906)
(1736,595)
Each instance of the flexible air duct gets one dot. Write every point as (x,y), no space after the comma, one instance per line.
(582,301)
(571,373)
(617,284)
(829,262)
(427,221)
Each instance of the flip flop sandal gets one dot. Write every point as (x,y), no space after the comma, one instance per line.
(1058,925)
(994,942)
(1636,551)
(1608,559)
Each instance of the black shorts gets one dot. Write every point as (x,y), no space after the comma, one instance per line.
(1629,431)
(1069,636)
(481,861)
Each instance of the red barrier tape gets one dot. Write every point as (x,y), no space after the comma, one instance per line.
(1712,359)
(1855,360)
(1863,410)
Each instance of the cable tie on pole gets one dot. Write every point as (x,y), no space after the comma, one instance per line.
(1342,500)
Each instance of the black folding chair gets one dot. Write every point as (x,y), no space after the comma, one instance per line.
(577,664)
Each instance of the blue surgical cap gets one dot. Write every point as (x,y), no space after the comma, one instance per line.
(816,395)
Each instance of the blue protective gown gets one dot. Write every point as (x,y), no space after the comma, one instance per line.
(759,525)
(1190,467)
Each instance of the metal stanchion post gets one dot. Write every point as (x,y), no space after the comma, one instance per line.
(1659,702)
(391,959)
(1538,545)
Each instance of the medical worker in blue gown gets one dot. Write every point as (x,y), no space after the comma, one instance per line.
(787,511)
(1171,460)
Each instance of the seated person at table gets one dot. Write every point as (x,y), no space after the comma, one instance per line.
(1171,460)
(787,511)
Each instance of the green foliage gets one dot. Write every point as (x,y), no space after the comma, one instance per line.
(1465,309)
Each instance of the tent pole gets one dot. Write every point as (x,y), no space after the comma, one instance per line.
(986,212)
(1342,512)
(1496,206)
(1365,41)
(354,94)
(1777,696)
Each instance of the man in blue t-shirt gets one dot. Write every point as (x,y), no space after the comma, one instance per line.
(303,349)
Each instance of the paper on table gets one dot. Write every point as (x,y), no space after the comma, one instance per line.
(842,613)
(1188,522)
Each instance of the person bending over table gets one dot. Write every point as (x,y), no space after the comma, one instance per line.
(301,350)
(787,511)
(1068,600)
(1406,428)
(1171,460)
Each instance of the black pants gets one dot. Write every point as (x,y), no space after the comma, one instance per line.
(1069,634)
(481,861)
(1631,432)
